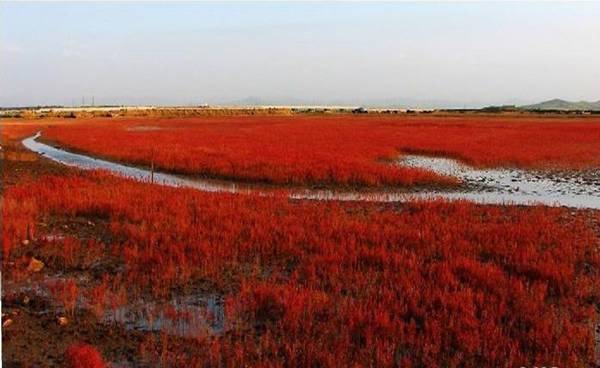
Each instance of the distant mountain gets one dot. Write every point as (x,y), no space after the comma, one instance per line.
(399,102)
(558,104)
(259,101)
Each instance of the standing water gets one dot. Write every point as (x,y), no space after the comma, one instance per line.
(486,186)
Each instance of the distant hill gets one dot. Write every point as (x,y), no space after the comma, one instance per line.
(558,104)
(555,104)
(397,102)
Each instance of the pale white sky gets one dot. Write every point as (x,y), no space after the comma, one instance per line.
(190,53)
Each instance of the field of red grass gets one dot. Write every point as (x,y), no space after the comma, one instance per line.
(326,284)
(303,283)
(15,130)
(334,150)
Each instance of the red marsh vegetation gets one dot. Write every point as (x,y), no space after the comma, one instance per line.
(321,284)
(334,150)
(300,283)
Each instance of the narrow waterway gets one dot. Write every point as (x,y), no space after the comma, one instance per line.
(487,186)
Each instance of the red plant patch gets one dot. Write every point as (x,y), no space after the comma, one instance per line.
(334,150)
(329,284)
(83,356)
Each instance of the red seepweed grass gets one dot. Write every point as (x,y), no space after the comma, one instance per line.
(334,150)
(83,356)
(329,284)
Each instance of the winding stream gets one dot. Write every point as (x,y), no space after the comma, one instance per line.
(486,186)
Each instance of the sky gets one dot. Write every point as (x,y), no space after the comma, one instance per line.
(444,54)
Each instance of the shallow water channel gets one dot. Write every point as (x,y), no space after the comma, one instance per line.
(486,186)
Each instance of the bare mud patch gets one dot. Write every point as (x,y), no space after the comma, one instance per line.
(562,187)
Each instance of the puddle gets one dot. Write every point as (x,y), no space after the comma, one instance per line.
(485,186)
(189,316)
(184,316)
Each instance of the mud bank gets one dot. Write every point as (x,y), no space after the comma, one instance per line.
(516,185)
